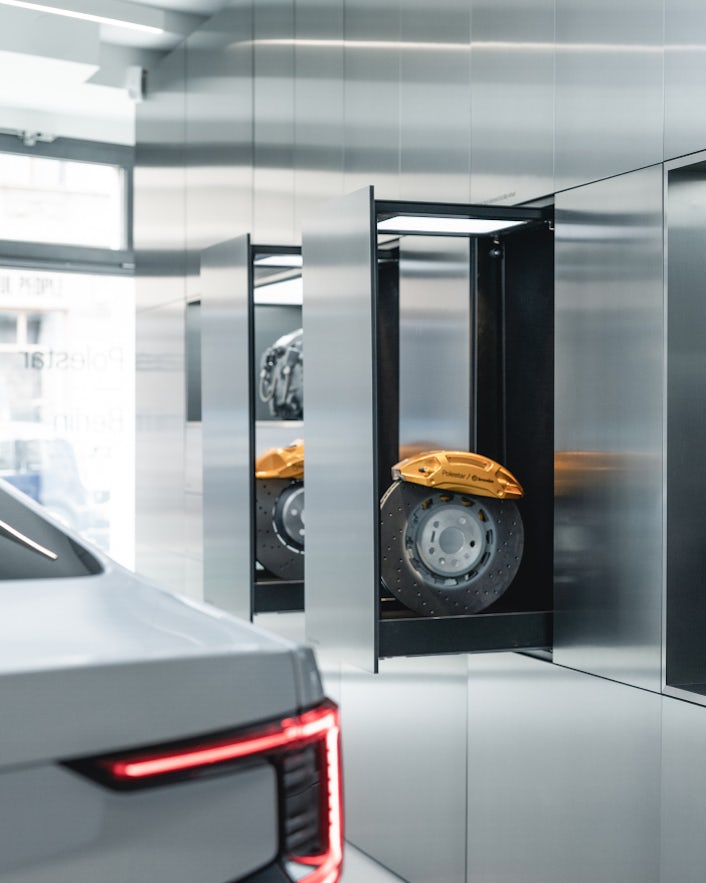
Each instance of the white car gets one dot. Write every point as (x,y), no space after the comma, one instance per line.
(145,738)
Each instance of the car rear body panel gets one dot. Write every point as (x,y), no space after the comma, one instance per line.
(59,827)
(86,667)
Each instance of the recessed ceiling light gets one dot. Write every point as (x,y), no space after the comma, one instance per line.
(449,226)
(85,16)
(287,292)
(279,260)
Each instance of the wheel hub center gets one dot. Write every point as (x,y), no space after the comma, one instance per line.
(448,539)
(451,540)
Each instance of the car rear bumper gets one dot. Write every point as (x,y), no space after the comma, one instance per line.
(59,827)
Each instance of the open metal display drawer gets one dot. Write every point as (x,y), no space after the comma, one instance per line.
(428,327)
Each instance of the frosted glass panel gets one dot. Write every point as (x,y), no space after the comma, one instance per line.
(62,202)
(67,376)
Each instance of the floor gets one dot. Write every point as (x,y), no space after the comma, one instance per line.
(359,868)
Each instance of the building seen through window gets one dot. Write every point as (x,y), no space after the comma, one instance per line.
(67,350)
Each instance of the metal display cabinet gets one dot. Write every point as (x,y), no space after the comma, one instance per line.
(243,285)
(429,327)
(685,608)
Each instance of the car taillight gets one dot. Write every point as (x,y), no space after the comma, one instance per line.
(305,749)
(303,805)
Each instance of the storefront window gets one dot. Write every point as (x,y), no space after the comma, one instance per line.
(8,328)
(67,399)
(62,202)
(67,339)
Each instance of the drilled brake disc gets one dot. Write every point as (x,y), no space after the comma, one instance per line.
(445,552)
(280,527)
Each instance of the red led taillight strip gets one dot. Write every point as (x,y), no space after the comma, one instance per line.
(321,724)
(328,865)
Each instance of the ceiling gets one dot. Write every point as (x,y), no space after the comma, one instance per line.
(67,77)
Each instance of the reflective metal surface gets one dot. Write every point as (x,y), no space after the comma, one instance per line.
(341,499)
(609,344)
(318,105)
(609,90)
(512,101)
(563,776)
(435,113)
(686,427)
(160,445)
(684,77)
(227,431)
(273,132)
(371,96)
(219,125)
(160,291)
(683,788)
(193,505)
(404,766)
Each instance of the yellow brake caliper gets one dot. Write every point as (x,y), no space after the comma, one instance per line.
(459,471)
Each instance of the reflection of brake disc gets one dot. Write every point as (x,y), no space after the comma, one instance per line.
(448,551)
(280,527)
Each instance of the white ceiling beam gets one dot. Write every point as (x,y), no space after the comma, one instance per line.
(115,61)
(115,13)
(27,40)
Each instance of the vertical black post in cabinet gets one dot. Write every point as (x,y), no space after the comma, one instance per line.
(429,381)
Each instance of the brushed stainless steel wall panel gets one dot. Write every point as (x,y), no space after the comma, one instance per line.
(405,764)
(318,104)
(435,107)
(371,96)
(684,77)
(435,398)
(219,132)
(160,327)
(341,505)
(512,101)
(159,182)
(563,776)
(193,535)
(227,459)
(609,88)
(609,345)
(683,788)
(193,505)
(160,443)
(273,97)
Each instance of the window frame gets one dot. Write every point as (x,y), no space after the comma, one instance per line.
(72,258)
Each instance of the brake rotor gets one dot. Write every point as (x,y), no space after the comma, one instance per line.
(280,527)
(446,552)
